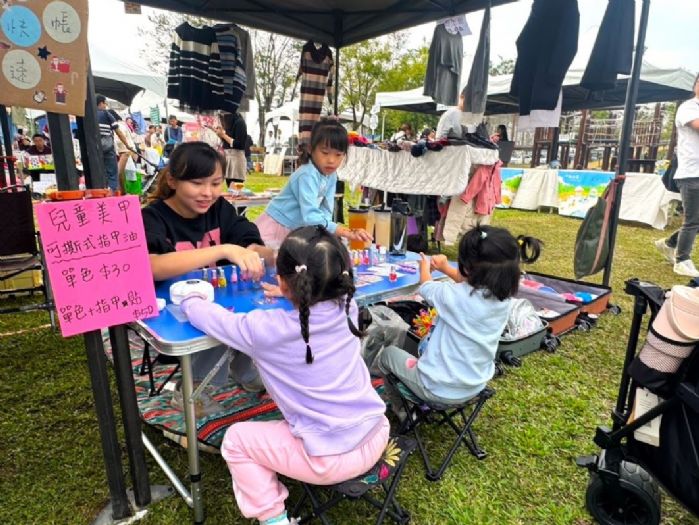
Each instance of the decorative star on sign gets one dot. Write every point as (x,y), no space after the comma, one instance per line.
(43,53)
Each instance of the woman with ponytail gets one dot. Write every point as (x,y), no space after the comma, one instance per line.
(189,225)
(309,359)
(459,357)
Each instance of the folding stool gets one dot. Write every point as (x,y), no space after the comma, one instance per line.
(422,412)
(148,362)
(385,474)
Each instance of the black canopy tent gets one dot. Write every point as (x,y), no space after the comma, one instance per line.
(338,23)
(335,22)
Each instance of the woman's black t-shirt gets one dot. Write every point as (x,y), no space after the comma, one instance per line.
(167,231)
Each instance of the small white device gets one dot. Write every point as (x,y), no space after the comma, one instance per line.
(181,289)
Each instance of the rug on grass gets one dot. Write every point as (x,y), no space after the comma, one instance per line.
(157,411)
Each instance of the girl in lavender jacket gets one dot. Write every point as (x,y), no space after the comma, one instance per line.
(334,426)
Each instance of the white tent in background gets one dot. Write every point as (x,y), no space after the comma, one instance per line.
(656,85)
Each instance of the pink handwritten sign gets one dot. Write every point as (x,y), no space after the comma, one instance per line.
(98,262)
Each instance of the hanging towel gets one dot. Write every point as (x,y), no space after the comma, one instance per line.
(613,51)
(545,49)
(476,90)
(443,75)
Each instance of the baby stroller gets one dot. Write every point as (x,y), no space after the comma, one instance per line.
(624,477)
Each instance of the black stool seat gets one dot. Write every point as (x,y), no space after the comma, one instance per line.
(422,412)
(385,474)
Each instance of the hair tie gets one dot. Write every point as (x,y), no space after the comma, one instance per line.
(520,242)
(301,268)
(345,272)
(484,234)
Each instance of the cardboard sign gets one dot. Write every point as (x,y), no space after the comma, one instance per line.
(43,55)
(98,262)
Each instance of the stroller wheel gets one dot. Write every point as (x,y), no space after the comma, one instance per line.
(637,502)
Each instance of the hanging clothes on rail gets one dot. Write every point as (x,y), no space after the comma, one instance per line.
(613,50)
(194,75)
(247,57)
(316,74)
(545,49)
(232,68)
(476,90)
(443,76)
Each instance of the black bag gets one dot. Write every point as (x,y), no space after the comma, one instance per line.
(669,176)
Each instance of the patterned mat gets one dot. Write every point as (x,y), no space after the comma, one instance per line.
(157,411)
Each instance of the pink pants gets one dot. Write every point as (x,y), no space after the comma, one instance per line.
(270,230)
(256,451)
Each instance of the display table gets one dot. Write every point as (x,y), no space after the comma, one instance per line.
(172,335)
(242,204)
(443,172)
(573,192)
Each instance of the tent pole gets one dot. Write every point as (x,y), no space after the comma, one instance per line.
(337,82)
(626,131)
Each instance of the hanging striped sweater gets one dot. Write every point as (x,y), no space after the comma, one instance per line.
(316,73)
(232,67)
(194,75)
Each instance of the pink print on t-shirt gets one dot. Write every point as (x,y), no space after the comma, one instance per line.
(211,238)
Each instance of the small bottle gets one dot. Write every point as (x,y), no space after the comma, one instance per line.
(365,258)
(393,276)
(222,278)
(205,275)
(234,274)
(382,255)
(214,278)
(257,283)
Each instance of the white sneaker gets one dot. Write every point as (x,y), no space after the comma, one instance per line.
(665,250)
(686,268)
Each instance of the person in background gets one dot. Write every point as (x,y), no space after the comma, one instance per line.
(157,140)
(108,127)
(173,135)
(269,141)
(500,134)
(451,121)
(125,146)
(334,425)
(39,145)
(189,226)
(233,133)
(677,248)
(428,134)
(248,153)
(149,133)
(309,196)
(23,142)
(404,133)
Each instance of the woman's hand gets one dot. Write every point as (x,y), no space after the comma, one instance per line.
(439,262)
(247,260)
(272,290)
(354,234)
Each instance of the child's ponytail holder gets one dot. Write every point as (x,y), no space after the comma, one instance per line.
(520,242)
(300,268)
(484,234)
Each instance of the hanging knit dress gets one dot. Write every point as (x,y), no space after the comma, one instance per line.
(316,78)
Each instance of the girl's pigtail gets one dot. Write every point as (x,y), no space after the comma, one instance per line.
(529,248)
(347,285)
(304,289)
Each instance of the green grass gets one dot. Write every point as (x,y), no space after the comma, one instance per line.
(542,417)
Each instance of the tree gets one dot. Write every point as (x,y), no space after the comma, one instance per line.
(362,67)
(276,67)
(407,73)
(505,66)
